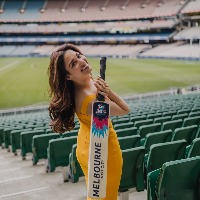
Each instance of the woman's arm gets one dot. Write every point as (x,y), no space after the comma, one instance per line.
(117,105)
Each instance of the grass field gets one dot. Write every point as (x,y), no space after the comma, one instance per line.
(24,81)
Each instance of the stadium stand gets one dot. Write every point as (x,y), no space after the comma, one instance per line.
(58,152)
(45,11)
(192,7)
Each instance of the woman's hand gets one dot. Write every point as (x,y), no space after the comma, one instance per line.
(102,86)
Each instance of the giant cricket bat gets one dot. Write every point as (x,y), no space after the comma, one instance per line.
(98,152)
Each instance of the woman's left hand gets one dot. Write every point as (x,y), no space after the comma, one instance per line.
(102,87)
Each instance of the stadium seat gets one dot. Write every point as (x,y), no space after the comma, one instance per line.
(179,116)
(126,132)
(58,152)
(70,133)
(2,135)
(172,125)
(138,118)
(188,133)
(157,137)
(143,122)
(129,142)
(191,121)
(170,113)
(15,139)
(197,109)
(75,170)
(153,116)
(164,152)
(162,119)
(123,125)
(120,120)
(40,144)
(145,129)
(183,111)
(152,178)
(7,132)
(174,181)
(26,141)
(194,114)
(132,171)
(194,149)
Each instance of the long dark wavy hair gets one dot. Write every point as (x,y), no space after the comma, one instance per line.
(62,103)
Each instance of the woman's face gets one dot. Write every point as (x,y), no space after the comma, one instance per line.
(77,66)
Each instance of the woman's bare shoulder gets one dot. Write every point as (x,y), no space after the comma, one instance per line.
(79,99)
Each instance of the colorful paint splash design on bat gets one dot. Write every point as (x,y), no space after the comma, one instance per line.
(99,127)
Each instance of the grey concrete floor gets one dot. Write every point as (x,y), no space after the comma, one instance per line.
(20,180)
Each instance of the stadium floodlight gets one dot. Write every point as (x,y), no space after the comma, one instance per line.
(63,10)
(144,5)
(1,10)
(123,7)
(22,11)
(103,8)
(82,9)
(42,10)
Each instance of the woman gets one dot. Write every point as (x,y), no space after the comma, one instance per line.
(72,91)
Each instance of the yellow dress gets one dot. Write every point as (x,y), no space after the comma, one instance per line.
(114,164)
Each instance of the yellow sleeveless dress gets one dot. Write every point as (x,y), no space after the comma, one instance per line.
(114,164)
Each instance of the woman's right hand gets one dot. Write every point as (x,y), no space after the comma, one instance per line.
(102,86)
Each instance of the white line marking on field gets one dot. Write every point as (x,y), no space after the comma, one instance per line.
(16,179)
(23,192)
(8,170)
(9,65)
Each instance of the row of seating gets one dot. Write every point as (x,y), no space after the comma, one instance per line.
(142,140)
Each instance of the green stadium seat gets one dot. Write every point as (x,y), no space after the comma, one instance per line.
(49,130)
(197,109)
(145,129)
(152,178)
(15,139)
(132,171)
(126,132)
(40,144)
(70,133)
(26,141)
(191,121)
(138,118)
(143,122)
(188,133)
(170,113)
(164,152)
(75,171)
(129,142)
(58,152)
(194,114)
(77,127)
(153,116)
(7,134)
(194,149)
(183,111)
(120,120)
(1,135)
(172,125)
(123,125)
(162,119)
(179,180)
(157,137)
(180,116)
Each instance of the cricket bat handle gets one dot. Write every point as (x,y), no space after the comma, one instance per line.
(102,74)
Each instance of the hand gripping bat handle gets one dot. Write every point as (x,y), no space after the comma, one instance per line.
(102,74)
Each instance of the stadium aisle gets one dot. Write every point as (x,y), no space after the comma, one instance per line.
(20,180)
